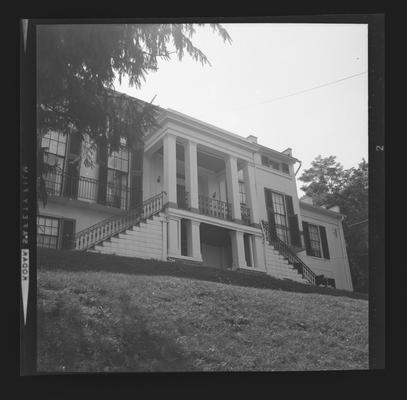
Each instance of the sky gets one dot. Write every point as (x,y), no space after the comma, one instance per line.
(303,86)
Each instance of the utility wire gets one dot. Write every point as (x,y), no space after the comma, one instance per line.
(313,88)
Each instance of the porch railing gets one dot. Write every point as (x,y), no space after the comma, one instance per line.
(116,224)
(285,250)
(84,188)
(214,208)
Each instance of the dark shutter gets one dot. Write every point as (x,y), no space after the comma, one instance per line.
(136,176)
(269,199)
(294,230)
(270,213)
(289,205)
(102,182)
(272,224)
(71,184)
(67,234)
(306,239)
(292,222)
(324,242)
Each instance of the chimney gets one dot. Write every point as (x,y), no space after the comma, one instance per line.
(288,152)
(335,209)
(252,138)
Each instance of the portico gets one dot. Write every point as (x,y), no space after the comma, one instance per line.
(202,187)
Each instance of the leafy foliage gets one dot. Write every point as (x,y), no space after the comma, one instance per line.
(329,184)
(76,69)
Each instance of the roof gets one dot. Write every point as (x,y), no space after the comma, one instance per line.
(320,210)
(242,139)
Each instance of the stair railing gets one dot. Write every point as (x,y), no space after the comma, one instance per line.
(284,249)
(116,224)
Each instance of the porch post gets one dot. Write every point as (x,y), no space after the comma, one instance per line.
(191,175)
(238,255)
(251,195)
(146,176)
(194,240)
(258,253)
(232,183)
(174,236)
(170,169)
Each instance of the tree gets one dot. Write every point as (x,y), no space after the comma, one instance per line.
(76,69)
(329,184)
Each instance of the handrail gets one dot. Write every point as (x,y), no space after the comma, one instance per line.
(285,249)
(116,224)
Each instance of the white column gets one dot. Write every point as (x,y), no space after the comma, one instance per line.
(194,240)
(258,253)
(238,256)
(191,175)
(170,169)
(147,176)
(232,183)
(251,195)
(174,236)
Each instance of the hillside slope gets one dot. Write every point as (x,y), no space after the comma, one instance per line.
(106,321)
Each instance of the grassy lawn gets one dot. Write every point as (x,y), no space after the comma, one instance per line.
(99,320)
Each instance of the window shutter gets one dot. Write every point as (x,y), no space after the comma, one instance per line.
(306,239)
(294,230)
(289,205)
(136,176)
(67,234)
(102,183)
(269,199)
(272,224)
(324,242)
(73,165)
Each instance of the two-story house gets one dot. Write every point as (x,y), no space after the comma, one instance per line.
(197,193)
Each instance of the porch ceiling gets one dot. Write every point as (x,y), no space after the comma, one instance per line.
(204,160)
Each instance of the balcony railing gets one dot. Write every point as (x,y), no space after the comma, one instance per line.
(214,208)
(83,188)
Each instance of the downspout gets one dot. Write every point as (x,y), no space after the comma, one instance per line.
(296,172)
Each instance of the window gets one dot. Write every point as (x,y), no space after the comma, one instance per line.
(47,232)
(55,143)
(280,217)
(55,148)
(117,176)
(285,168)
(242,193)
(116,188)
(314,240)
(268,162)
(119,160)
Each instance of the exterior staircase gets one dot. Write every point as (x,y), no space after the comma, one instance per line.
(144,240)
(136,233)
(279,267)
(283,262)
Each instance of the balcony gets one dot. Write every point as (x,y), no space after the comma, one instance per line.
(87,189)
(212,207)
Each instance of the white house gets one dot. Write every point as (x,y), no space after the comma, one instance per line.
(209,197)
